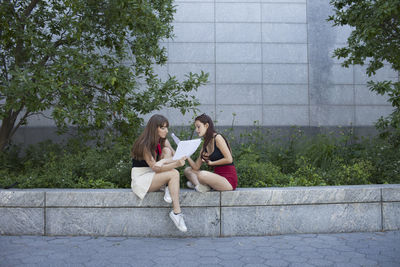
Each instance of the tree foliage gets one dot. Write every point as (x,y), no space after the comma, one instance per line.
(375,40)
(90,62)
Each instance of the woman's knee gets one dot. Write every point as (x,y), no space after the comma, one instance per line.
(174,174)
(166,152)
(201,176)
(187,171)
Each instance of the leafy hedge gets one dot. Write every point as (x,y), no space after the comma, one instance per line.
(260,161)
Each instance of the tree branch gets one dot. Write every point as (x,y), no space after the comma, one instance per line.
(31,6)
(26,115)
(56,45)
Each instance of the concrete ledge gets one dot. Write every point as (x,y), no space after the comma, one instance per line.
(246,211)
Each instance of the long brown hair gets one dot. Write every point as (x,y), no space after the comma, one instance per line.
(203,118)
(149,138)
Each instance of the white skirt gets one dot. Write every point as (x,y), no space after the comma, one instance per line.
(141,180)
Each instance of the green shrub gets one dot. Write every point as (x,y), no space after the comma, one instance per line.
(252,173)
(260,162)
(49,165)
(386,161)
(306,175)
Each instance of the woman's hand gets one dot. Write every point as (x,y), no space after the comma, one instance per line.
(181,162)
(208,162)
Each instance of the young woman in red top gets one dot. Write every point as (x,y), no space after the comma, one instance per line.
(215,153)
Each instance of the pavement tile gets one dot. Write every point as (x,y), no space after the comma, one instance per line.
(295,259)
(276,263)
(342,248)
(15,256)
(320,262)
(352,255)
(301,265)
(337,258)
(231,263)
(347,264)
(304,248)
(248,253)
(209,260)
(251,259)
(209,253)
(272,256)
(34,259)
(358,244)
(364,262)
(226,250)
(327,251)
(166,253)
(288,252)
(282,246)
(229,256)
(263,249)
(312,255)
(10,262)
(388,264)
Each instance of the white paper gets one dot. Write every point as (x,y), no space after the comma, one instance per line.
(186,148)
(176,139)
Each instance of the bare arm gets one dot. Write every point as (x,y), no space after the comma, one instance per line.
(221,144)
(195,164)
(164,167)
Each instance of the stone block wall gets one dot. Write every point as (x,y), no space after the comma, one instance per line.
(244,212)
(270,61)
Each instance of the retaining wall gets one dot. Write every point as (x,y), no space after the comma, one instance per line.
(246,211)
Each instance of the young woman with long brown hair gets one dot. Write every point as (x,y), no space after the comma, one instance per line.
(216,153)
(153,167)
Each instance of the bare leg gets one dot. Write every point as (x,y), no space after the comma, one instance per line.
(172,178)
(217,182)
(191,175)
(166,154)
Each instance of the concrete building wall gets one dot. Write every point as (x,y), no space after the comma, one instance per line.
(270,61)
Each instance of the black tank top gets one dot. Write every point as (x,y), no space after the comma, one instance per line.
(217,154)
(142,163)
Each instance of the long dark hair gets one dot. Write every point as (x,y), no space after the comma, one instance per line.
(149,138)
(203,118)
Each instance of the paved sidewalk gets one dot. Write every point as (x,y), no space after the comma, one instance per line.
(344,249)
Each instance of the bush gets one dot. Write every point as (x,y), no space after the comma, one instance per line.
(73,166)
(306,175)
(260,162)
(252,173)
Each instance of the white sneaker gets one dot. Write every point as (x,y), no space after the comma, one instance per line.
(178,221)
(167,196)
(190,185)
(202,188)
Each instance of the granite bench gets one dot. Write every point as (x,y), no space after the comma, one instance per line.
(244,212)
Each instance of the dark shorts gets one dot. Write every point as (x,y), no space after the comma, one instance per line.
(229,172)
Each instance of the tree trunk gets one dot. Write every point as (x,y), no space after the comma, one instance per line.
(7,129)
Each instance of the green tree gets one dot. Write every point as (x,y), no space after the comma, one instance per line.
(375,40)
(87,61)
